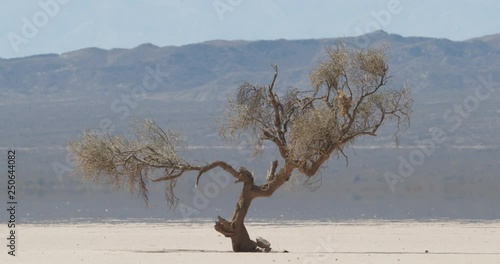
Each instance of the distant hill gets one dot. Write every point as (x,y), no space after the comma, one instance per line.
(426,64)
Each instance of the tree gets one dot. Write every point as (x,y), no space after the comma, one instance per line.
(349,98)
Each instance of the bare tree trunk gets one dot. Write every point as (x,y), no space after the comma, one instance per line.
(235,229)
(241,241)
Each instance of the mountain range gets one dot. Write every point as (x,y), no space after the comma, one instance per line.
(425,64)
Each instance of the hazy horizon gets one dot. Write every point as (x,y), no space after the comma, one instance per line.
(58,26)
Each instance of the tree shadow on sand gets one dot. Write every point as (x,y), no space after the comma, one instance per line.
(178,250)
(337,252)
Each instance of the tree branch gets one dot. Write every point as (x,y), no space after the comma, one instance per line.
(276,107)
(272,171)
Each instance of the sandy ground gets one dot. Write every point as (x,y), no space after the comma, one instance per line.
(309,242)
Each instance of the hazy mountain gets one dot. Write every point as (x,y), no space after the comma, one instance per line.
(424,63)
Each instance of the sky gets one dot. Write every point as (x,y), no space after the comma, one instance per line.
(30,27)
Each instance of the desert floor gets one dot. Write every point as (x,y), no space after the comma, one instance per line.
(306,242)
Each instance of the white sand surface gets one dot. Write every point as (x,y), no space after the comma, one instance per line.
(307,242)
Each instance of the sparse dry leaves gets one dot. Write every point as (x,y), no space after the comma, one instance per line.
(119,161)
(349,98)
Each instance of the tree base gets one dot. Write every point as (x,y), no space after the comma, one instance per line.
(241,242)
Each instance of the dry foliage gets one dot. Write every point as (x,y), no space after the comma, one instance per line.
(129,162)
(349,98)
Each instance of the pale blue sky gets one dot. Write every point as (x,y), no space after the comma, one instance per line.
(76,24)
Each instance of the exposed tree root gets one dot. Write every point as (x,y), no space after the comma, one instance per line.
(239,237)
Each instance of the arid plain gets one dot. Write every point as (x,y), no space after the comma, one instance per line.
(292,242)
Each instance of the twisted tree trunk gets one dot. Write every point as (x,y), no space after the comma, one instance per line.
(235,229)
